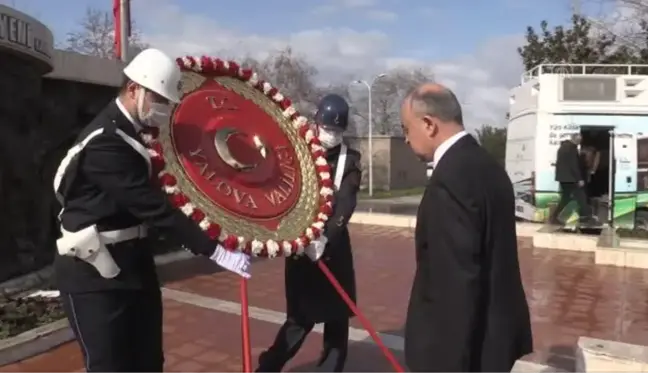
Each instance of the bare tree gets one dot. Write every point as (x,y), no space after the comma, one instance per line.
(95,35)
(296,77)
(387,94)
(625,20)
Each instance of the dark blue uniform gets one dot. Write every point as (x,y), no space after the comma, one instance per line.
(310,297)
(118,321)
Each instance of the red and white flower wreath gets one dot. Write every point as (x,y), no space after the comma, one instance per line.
(269,248)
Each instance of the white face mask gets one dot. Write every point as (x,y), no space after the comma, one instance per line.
(157,114)
(329,139)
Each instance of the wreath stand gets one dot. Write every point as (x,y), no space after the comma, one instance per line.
(245,322)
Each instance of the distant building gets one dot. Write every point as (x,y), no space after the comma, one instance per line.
(394,164)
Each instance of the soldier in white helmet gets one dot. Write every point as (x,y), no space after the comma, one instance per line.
(110,203)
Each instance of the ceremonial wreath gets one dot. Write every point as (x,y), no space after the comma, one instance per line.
(263,185)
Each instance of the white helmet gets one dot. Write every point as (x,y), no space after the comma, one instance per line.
(155,71)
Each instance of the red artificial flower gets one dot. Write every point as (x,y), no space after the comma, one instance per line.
(315,141)
(328,183)
(157,147)
(214,231)
(206,63)
(285,104)
(246,74)
(326,209)
(248,248)
(168,180)
(302,131)
(218,65)
(273,91)
(157,164)
(179,199)
(318,153)
(316,232)
(305,240)
(322,168)
(234,68)
(197,215)
(230,243)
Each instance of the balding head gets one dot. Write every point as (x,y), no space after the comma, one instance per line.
(430,114)
(435,100)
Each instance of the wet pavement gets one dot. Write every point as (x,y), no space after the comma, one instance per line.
(387,208)
(568,295)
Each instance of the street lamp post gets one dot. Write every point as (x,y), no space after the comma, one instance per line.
(370,120)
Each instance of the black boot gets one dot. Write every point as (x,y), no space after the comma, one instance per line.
(268,362)
(331,360)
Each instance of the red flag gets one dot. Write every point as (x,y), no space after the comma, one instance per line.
(117,16)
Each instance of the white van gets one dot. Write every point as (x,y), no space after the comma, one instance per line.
(608,106)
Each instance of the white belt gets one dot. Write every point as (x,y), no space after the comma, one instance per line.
(121,235)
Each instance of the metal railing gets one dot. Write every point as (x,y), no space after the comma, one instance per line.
(568,69)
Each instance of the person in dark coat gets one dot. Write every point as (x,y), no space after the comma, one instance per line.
(310,297)
(467,309)
(571,174)
(111,203)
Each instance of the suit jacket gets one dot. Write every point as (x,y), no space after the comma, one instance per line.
(569,165)
(467,310)
(108,184)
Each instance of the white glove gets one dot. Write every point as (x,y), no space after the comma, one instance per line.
(236,262)
(316,248)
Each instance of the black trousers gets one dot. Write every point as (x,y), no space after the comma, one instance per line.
(117,330)
(569,191)
(290,338)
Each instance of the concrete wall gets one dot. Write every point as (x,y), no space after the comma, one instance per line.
(394,164)
(40,116)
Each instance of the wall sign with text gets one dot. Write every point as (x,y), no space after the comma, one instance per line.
(22,33)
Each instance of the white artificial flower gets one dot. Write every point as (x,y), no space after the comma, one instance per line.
(273,248)
(204,224)
(318,224)
(257,247)
(266,88)
(287,248)
(289,112)
(325,191)
(187,209)
(254,79)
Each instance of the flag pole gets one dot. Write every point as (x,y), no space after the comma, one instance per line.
(124,25)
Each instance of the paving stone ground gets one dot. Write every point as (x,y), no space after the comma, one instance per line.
(568,295)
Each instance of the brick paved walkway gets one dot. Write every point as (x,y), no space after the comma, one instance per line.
(569,297)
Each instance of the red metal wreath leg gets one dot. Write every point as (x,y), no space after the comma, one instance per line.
(363,320)
(245,328)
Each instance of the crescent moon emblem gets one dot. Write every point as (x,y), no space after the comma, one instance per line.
(223,150)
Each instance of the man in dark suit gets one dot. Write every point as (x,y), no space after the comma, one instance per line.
(110,200)
(310,297)
(571,175)
(467,309)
